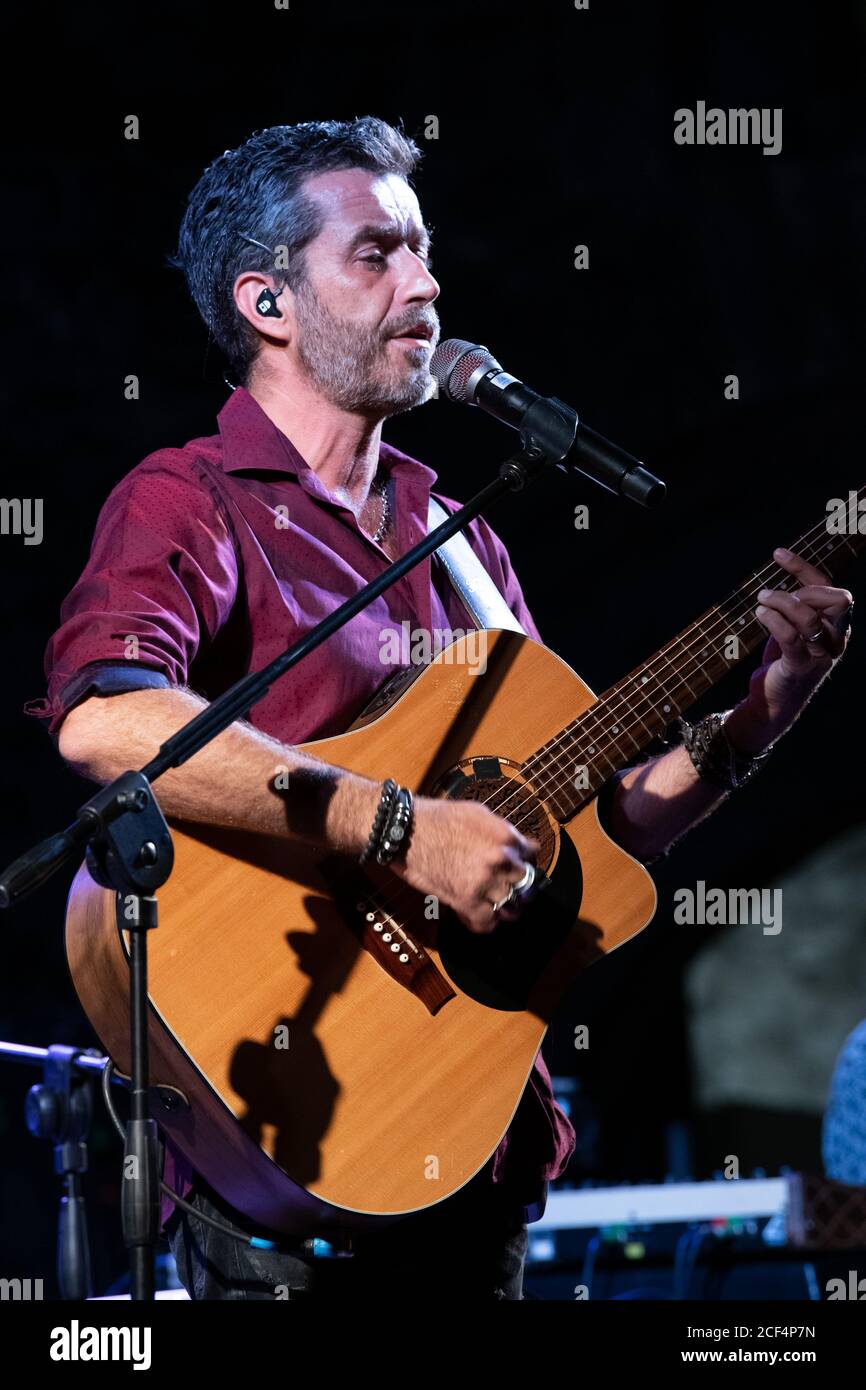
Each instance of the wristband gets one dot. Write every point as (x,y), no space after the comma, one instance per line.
(713,756)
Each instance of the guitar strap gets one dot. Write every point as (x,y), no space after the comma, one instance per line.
(488,609)
(474,587)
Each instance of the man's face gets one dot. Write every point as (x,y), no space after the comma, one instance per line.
(367,282)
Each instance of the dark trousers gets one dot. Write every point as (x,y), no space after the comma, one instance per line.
(471,1246)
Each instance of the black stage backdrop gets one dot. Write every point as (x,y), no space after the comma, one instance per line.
(555,129)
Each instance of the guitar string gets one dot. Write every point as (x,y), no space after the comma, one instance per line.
(542,788)
(701,633)
(524,794)
(538,791)
(593,721)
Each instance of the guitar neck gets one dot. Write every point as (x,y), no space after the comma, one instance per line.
(575,764)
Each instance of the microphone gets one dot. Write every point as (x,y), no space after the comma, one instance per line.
(470,373)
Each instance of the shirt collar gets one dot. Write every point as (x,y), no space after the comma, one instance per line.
(252,442)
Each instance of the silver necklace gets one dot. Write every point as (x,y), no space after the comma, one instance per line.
(382,490)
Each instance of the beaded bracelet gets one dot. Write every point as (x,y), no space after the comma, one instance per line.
(386,801)
(394,839)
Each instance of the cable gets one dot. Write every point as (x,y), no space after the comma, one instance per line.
(685,1258)
(257,1242)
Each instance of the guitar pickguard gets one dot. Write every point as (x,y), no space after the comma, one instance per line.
(500,969)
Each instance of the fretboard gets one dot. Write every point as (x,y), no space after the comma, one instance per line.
(571,768)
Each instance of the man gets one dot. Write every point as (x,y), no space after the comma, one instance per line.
(307,256)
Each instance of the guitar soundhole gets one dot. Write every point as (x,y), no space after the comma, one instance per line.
(506,795)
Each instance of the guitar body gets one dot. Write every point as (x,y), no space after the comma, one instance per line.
(344,1053)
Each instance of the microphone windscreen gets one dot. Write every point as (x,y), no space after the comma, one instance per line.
(455,363)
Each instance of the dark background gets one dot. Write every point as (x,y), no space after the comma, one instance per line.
(556,128)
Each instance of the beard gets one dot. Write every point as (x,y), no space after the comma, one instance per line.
(351,364)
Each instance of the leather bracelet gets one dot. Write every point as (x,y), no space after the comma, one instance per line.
(713,756)
(399,827)
(386,801)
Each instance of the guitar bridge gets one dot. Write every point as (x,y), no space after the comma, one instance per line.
(384,936)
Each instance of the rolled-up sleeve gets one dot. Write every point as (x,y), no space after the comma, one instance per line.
(160,581)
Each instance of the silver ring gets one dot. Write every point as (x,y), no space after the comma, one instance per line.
(506,901)
(517,890)
(526,882)
(817,637)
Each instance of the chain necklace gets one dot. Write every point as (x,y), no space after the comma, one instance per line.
(382,490)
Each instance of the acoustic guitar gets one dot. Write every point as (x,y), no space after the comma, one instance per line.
(328,1048)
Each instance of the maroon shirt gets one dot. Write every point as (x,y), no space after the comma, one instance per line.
(207,561)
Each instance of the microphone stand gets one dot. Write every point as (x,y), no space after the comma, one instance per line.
(129,848)
(59,1108)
